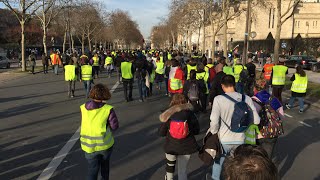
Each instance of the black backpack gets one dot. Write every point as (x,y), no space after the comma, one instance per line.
(193,92)
(244,75)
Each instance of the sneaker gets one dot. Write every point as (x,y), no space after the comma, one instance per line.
(287,106)
(300,111)
(140,100)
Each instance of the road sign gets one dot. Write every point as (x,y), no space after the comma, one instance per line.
(283,45)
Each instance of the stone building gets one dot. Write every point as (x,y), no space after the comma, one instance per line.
(300,31)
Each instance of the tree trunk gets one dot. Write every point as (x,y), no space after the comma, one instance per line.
(198,44)
(72,43)
(278,31)
(23,48)
(89,42)
(64,41)
(225,28)
(189,41)
(203,38)
(44,40)
(173,40)
(213,45)
(82,43)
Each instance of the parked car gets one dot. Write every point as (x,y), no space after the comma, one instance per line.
(305,61)
(316,67)
(4,62)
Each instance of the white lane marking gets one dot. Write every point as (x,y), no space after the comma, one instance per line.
(288,115)
(56,161)
(308,125)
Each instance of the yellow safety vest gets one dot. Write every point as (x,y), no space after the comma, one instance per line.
(95,61)
(70,73)
(160,68)
(86,72)
(237,70)
(176,84)
(126,70)
(189,68)
(95,135)
(207,67)
(169,56)
(108,60)
(228,70)
(152,76)
(300,84)
(161,58)
(204,76)
(279,75)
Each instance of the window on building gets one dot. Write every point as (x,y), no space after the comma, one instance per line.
(298,24)
(270,18)
(274,10)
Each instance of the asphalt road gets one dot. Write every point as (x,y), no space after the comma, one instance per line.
(37,120)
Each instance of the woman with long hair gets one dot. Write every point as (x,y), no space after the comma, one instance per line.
(179,126)
(298,88)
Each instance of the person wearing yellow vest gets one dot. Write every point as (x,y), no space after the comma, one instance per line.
(96,65)
(98,120)
(55,61)
(237,70)
(192,65)
(298,88)
(204,76)
(71,72)
(160,70)
(278,79)
(127,71)
(86,75)
(176,78)
(109,65)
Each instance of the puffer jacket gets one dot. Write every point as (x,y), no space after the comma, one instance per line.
(184,146)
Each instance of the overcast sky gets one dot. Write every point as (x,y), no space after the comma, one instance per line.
(146,13)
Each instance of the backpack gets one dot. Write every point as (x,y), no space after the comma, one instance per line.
(270,122)
(193,92)
(212,73)
(179,129)
(244,75)
(242,116)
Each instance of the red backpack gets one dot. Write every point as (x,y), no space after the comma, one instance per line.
(212,73)
(179,129)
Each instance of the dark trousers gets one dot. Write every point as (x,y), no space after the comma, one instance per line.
(98,161)
(166,80)
(45,68)
(203,102)
(96,70)
(277,91)
(71,88)
(128,86)
(268,145)
(149,91)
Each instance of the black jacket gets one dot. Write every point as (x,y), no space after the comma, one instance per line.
(184,146)
(201,87)
(251,69)
(216,88)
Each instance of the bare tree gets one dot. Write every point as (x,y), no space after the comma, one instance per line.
(45,16)
(281,19)
(26,9)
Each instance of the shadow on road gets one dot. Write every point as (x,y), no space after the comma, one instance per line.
(292,147)
(27,158)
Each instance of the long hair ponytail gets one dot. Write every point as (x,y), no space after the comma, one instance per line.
(300,71)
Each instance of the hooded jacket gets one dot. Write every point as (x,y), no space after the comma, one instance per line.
(184,146)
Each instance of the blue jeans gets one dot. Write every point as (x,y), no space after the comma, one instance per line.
(217,165)
(87,87)
(301,102)
(98,160)
(56,68)
(142,88)
(239,88)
